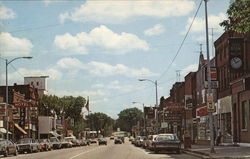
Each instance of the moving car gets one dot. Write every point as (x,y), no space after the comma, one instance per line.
(167,142)
(7,148)
(118,141)
(27,145)
(102,141)
(56,144)
(112,138)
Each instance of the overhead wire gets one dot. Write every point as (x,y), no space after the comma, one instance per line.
(182,43)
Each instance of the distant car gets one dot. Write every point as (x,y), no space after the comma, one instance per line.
(167,142)
(66,144)
(93,141)
(131,138)
(139,141)
(45,144)
(56,144)
(7,148)
(102,141)
(150,141)
(27,145)
(73,140)
(112,138)
(118,141)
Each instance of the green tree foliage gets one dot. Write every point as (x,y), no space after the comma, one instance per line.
(128,118)
(100,121)
(238,17)
(67,107)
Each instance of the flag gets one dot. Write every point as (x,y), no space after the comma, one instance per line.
(87,105)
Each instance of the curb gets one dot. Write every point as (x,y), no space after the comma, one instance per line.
(208,156)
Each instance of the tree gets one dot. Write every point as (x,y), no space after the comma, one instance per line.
(238,17)
(128,118)
(100,121)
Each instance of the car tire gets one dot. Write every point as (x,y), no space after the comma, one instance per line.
(178,151)
(6,153)
(155,150)
(16,153)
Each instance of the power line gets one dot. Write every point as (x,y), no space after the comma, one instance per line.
(17,70)
(182,43)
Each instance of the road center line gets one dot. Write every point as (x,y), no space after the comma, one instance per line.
(83,153)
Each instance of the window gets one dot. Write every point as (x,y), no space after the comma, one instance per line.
(37,83)
(245,114)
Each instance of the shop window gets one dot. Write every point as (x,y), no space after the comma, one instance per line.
(37,83)
(245,114)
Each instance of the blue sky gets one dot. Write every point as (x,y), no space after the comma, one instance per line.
(101,48)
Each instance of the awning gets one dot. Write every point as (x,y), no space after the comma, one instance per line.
(54,133)
(4,131)
(20,129)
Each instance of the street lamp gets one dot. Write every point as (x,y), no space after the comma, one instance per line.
(144,116)
(156,92)
(156,97)
(7,92)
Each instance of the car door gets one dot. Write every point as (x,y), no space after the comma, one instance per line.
(10,147)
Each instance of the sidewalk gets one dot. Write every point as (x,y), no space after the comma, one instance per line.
(221,152)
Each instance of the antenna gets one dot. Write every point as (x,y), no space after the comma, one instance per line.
(178,75)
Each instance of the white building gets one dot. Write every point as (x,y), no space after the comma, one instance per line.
(39,82)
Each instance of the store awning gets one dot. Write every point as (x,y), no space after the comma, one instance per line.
(4,131)
(20,129)
(54,133)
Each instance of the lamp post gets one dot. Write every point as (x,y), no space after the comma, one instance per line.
(7,91)
(144,116)
(209,84)
(156,98)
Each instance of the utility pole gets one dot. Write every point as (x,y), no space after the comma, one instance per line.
(209,84)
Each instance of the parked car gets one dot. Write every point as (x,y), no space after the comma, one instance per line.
(102,141)
(73,140)
(150,141)
(83,142)
(118,141)
(56,144)
(167,142)
(27,145)
(131,138)
(139,141)
(45,144)
(66,144)
(7,148)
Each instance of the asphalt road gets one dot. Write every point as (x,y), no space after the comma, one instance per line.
(111,151)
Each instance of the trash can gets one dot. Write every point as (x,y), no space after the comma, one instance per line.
(187,142)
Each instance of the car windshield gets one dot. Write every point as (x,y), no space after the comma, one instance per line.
(166,137)
(53,139)
(23,141)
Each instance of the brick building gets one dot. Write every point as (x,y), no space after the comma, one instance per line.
(25,111)
(233,64)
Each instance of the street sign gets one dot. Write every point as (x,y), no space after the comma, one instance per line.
(214,84)
(210,107)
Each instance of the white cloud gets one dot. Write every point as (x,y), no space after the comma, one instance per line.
(51,72)
(155,30)
(188,69)
(83,93)
(103,69)
(112,11)
(103,38)
(213,22)
(6,13)
(13,46)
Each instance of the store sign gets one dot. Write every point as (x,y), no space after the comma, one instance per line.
(21,104)
(188,102)
(202,111)
(214,84)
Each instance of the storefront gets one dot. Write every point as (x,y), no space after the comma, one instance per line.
(224,119)
(202,122)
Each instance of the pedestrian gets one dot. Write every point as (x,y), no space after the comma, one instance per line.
(218,139)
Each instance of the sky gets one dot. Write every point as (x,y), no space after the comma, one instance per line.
(100,48)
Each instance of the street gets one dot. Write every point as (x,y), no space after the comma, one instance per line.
(111,151)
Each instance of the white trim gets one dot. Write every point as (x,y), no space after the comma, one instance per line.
(244,144)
